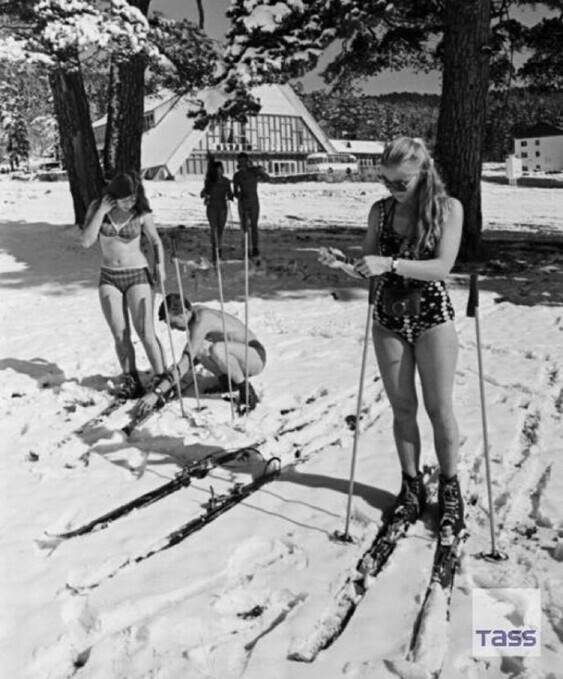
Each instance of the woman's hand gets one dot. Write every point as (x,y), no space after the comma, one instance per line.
(373,265)
(335,259)
(145,404)
(107,204)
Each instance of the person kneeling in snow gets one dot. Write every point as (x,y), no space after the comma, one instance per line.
(213,341)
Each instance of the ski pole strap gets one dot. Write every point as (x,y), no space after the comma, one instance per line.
(473,301)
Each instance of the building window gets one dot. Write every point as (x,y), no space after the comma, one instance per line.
(524,154)
(523,143)
(537,142)
(538,154)
(525,168)
(538,167)
(148,121)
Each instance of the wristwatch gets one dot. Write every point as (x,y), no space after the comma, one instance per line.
(394,262)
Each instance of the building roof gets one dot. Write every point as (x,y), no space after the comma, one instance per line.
(358,146)
(174,137)
(538,130)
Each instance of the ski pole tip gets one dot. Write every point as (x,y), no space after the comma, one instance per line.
(494,557)
(342,536)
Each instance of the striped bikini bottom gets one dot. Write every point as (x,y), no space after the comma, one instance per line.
(123,279)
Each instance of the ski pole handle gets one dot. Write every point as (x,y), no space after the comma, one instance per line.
(473,301)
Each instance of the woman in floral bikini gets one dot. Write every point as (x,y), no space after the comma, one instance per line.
(411,245)
(117,220)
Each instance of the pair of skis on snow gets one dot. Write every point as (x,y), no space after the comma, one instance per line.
(348,596)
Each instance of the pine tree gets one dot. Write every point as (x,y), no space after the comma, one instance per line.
(467,39)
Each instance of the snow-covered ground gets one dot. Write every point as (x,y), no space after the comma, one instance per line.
(235,599)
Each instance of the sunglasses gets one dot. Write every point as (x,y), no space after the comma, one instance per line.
(399,186)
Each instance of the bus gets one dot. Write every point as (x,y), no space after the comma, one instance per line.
(322,163)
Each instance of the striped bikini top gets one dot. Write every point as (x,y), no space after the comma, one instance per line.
(126,231)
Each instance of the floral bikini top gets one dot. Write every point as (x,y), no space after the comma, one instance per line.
(393,244)
(126,231)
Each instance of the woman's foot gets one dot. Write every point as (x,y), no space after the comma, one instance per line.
(130,387)
(450,506)
(247,393)
(411,500)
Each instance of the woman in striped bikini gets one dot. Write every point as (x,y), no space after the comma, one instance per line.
(117,220)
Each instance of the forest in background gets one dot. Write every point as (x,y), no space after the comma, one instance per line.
(29,124)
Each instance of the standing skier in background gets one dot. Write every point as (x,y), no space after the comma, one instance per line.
(216,192)
(245,184)
(118,220)
(411,244)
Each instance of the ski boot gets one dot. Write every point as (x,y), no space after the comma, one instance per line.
(411,500)
(129,388)
(244,389)
(221,387)
(450,506)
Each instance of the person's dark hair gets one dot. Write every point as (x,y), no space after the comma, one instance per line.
(174,305)
(212,174)
(125,184)
(242,155)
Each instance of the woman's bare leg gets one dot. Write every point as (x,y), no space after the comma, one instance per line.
(436,357)
(395,358)
(114,307)
(140,299)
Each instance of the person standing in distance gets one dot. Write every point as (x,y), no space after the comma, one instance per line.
(245,185)
(215,193)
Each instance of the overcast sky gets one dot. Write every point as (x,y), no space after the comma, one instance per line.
(216,24)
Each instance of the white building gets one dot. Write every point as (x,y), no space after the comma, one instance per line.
(540,148)
(279,138)
(367,152)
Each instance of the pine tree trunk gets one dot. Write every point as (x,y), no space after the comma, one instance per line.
(124,130)
(78,145)
(463,107)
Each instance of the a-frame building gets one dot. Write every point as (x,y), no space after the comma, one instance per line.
(279,138)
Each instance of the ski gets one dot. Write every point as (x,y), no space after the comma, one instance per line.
(213,508)
(112,406)
(198,470)
(429,640)
(356,583)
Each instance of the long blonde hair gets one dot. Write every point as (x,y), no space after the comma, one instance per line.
(431,195)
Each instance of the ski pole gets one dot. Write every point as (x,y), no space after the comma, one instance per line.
(246,317)
(184,314)
(473,312)
(345,536)
(175,372)
(222,302)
